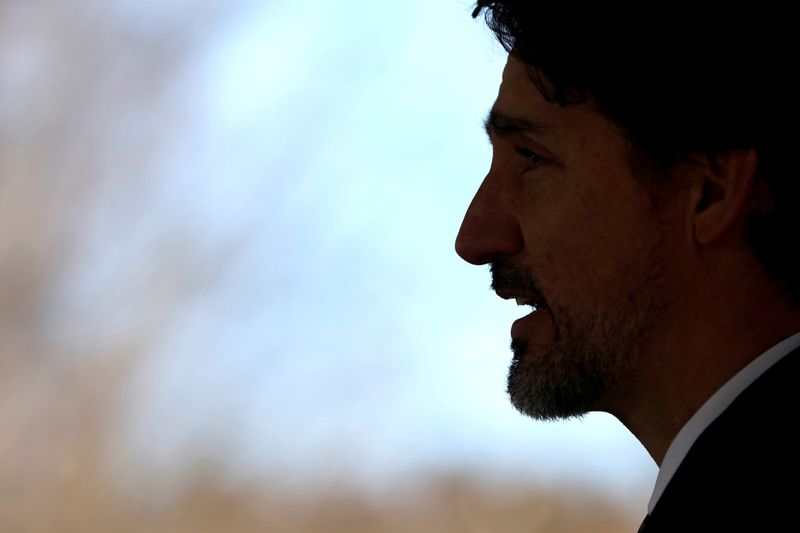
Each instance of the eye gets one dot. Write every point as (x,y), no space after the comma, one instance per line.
(532,157)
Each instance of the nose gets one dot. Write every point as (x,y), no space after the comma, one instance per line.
(489,229)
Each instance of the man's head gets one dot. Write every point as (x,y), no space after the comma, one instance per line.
(625,156)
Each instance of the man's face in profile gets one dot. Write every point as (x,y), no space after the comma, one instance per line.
(562,221)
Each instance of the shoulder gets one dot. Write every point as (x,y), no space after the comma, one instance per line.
(741,469)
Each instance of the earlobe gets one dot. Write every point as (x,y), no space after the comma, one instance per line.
(719,199)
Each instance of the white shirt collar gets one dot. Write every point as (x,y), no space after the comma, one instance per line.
(713,407)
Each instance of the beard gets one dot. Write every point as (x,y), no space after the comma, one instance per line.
(591,352)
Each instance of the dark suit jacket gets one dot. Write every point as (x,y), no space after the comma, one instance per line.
(743,472)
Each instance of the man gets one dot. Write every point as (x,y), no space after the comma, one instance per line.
(641,197)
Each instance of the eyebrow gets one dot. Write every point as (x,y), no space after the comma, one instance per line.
(503,125)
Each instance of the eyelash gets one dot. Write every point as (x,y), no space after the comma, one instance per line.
(532,157)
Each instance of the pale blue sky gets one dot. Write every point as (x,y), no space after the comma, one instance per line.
(337,144)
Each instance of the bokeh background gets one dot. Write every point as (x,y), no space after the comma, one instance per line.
(229,299)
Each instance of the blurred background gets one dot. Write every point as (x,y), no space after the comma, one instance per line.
(229,299)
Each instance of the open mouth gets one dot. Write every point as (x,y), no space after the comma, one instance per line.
(535,304)
(532,299)
(534,325)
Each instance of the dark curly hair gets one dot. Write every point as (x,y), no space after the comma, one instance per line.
(677,77)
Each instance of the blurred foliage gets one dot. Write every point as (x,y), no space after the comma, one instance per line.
(85,110)
(85,504)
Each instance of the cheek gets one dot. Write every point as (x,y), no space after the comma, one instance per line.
(587,258)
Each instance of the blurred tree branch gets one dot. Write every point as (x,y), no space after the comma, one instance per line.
(86,115)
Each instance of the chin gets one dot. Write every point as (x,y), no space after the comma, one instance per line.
(550,386)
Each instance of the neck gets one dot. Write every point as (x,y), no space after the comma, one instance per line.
(713,336)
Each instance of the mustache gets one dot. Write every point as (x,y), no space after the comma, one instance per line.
(509,277)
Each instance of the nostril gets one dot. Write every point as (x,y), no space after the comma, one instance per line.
(481,240)
(472,253)
(468,248)
(461,249)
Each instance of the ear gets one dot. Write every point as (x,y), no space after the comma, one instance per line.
(721,186)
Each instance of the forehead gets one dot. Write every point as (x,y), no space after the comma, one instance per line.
(516,79)
(519,96)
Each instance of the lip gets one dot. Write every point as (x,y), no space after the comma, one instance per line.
(507,294)
(536,326)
